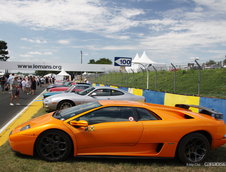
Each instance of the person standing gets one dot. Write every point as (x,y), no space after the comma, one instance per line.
(3,83)
(10,81)
(28,86)
(15,92)
(33,85)
(23,83)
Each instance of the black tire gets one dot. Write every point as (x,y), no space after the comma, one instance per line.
(65,104)
(53,145)
(193,148)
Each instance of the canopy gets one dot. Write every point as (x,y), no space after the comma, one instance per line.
(135,67)
(63,73)
(50,75)
(144,59)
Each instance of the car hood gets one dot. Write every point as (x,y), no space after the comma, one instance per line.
(50,86)
(63,95)
(52,93)
(63,88)
(41,120)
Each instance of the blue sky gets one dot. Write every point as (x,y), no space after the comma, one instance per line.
(168,30)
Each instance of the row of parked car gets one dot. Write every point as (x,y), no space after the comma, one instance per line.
(99,126)
(68,94)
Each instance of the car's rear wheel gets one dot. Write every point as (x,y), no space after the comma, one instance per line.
(65,104)
(193,148)
(54,145)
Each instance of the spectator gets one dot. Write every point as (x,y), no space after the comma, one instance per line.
(33,85)
(3,83)
(28,86)
(23,83)
(10,81)
(15,92)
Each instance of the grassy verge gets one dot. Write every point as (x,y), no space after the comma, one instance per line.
(12,162)
(212,82)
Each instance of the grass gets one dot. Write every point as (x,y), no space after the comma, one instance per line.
(212,81)
(12,162)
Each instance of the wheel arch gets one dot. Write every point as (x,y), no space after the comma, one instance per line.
(54,129)
(203,132)
(65,100)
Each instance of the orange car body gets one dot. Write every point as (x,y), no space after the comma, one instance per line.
(152,138)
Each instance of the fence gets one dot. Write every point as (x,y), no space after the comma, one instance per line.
(208,83)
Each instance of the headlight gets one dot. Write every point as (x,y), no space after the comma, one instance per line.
(25,127)
(46,100)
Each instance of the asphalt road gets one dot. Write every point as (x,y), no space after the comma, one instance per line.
(7,112)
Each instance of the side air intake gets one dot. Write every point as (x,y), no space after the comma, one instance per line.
(203,110)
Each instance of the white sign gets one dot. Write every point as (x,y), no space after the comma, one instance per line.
(28,66)
(123,61)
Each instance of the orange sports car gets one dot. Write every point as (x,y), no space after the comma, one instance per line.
(122,128)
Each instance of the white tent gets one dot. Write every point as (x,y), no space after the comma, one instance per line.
(62,75)
(134,66)
(50,75)
(144,59)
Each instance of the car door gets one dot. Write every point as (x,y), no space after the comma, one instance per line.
(117,95)
(101,94)
(111,129)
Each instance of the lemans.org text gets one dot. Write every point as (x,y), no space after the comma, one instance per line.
(34,66)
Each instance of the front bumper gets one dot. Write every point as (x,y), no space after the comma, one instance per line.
(23,144)
(49,106)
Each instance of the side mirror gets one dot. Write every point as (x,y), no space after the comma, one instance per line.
(81,123)
(93,94)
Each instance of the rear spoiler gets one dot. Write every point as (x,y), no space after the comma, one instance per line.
(203,110)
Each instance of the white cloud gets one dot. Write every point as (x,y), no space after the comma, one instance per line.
(36,53)
(64,42)
(174,32)
(218,6)
(118,47)
(37,41)
(82,15)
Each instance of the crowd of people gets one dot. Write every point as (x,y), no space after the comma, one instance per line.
(15,84)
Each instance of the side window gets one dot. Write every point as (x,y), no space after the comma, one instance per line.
(108,114)
(116,93)
(102,92)
(128,114)
(145,115)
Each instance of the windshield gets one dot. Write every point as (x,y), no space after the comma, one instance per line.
(86,91)
(75,110)
(70,88)
(67,83)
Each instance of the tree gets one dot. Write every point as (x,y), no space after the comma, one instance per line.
(103,61)
(210,62)
(3,51)
(92,61)
(100,61)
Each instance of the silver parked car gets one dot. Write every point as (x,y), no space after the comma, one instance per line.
(65,100)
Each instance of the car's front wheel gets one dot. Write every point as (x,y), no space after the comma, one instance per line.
(193,148)
(53,145)
(65,104)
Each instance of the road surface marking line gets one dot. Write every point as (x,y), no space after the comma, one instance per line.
(24,115)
